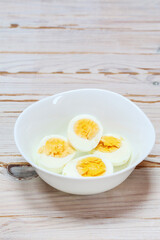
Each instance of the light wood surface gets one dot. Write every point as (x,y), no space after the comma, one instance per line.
(51,46)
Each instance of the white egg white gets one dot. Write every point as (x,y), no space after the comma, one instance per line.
(53,164)
(118,157)
(80,143)
(71,170)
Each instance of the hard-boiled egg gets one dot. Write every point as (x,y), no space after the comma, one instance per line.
(84,132)
(88,166)
(114,148)
(53,153)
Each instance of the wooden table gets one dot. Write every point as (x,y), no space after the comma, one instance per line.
(51,46)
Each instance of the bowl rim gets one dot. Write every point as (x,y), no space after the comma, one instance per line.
(79,178)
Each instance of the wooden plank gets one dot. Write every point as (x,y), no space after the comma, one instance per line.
(75,41)
(131,195)
(46,211)
(148,164)
(74,28)
(124,15)
(84,63)
(74,228)
(48,84)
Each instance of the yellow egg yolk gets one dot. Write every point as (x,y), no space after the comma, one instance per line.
(108,144)
(86,128)
(56,147)
(91,167)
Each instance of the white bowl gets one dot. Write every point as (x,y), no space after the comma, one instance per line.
(51,116)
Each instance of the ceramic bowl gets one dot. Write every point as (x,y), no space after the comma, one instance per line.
(51,115)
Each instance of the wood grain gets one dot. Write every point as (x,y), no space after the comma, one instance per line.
(128,15)
(48,212)
(74,41)
(80,63)
(48,47)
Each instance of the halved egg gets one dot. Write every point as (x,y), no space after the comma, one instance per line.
(84,132)
(88,166)
(114,148)
(54,152)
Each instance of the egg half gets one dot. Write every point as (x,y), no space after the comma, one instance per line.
(88,166)
(114,148)
(53,153)
(84,132)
